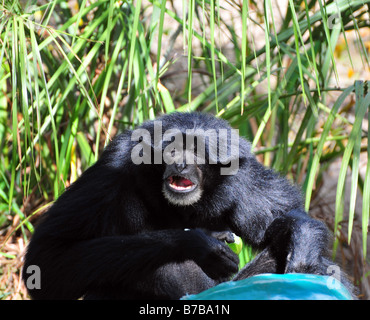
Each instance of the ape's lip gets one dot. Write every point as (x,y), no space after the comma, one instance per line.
(179,183)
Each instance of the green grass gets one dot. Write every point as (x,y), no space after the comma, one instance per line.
(69,82)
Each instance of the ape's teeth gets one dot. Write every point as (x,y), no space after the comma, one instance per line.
(179,187)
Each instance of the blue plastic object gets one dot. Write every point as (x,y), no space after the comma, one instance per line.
(293,286)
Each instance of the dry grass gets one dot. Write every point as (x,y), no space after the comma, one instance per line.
(11,285)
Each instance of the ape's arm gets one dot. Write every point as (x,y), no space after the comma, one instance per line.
(70,270)
(270,217)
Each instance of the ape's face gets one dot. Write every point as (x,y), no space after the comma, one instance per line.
(191,155)
(182,183)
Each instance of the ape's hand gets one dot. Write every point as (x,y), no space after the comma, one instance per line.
(298,243)
(215,258)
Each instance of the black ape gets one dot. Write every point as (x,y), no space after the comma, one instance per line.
(148,220)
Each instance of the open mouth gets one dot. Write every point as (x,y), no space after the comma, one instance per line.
(179,183)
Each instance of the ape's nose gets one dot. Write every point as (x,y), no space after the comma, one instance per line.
(180,166)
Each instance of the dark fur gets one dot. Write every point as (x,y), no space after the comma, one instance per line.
(113,235)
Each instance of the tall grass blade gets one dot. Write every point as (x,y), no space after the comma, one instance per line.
(359,90)
(212,31)
(316,160)
(245,11)
(366,195)
(13,26)
(133,41)
(363,105)
(190,30)
(268,55)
